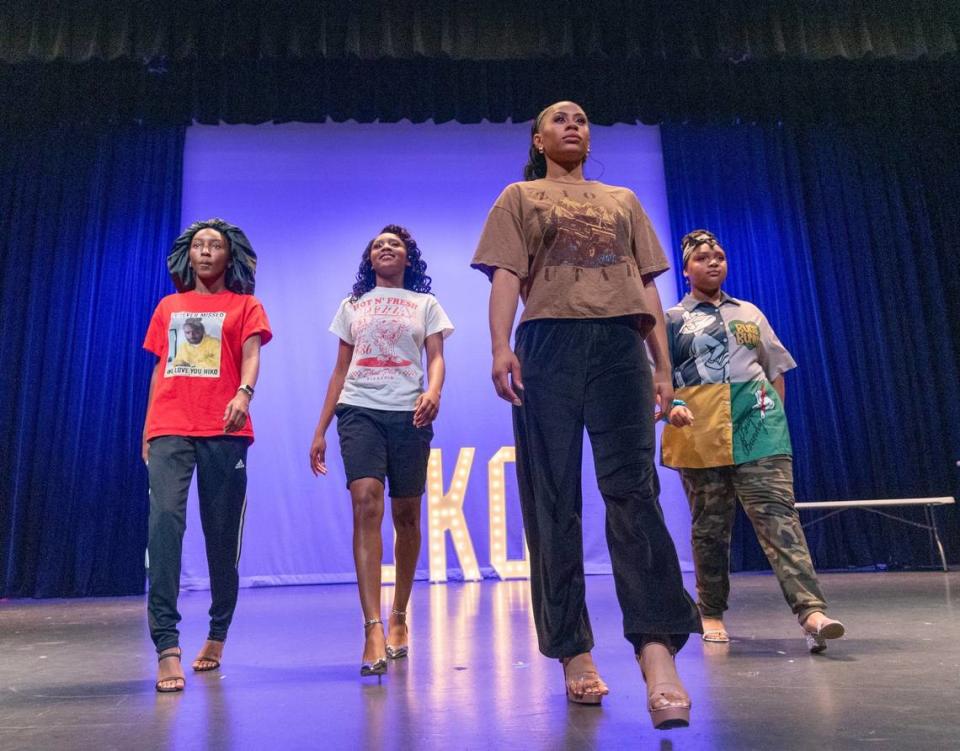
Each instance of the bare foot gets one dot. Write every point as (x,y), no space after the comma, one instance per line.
(814,620)
(818,623)
(397,630)
(714,630)
(211,654)
(170,671)
(667,699)
(374,647)
(664,687)
(581,676)
(712,624)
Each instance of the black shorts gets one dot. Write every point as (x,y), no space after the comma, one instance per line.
(384,445)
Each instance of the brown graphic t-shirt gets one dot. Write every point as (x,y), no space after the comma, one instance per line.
(581,250)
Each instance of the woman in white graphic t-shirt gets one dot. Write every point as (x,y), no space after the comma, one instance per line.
(384,416)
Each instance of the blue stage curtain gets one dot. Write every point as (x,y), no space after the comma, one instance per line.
(846,237)
(85,220)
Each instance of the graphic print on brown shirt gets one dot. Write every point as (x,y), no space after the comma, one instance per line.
(581,234)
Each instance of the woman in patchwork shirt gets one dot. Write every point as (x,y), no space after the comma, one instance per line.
(728,368)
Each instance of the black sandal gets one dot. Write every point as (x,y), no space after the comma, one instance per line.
(181,679)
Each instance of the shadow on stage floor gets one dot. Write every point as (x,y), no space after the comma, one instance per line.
(78,674)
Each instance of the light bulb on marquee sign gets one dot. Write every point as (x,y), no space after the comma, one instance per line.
(496,491)
(445,514)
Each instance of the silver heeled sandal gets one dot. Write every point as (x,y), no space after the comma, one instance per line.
(379,666)
(817,639)
(395,653)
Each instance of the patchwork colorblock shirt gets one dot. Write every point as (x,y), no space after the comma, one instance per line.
(724,359)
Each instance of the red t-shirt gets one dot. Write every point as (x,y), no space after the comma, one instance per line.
(199,340)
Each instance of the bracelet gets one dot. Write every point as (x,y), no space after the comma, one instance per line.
(665,417)
(248,390)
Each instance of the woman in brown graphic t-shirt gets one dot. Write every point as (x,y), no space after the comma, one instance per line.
(582,256)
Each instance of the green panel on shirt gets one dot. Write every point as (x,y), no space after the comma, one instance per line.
(759,423)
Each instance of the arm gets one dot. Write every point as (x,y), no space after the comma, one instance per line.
(504,293)
(780,386)
(318,448)
(238,408)
(428,403)
(145,448)
(657,343)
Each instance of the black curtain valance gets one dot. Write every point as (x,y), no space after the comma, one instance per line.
(237,61)
(419,90)
(80,31)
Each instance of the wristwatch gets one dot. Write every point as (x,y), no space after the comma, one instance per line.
(248,390)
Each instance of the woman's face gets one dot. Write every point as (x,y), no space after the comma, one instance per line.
(209,254)
(707,267)
(388,255)
(564,133)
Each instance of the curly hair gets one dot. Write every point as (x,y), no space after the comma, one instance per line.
(414,276)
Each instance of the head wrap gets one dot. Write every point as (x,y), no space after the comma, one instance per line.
(241,270)
(693,240)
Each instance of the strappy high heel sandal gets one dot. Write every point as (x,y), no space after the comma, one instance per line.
(395,653)
(179,681)
(379,666)
(667,702)
(591,685)
(817,638)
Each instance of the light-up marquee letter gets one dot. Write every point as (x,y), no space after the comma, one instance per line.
(505,568)
(446,514)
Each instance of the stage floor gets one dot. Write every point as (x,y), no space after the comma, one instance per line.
(78,674)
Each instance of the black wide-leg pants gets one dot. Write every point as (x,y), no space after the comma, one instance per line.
(593,373)
(222,489)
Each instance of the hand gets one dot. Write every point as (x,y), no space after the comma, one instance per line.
(506,375)
(318,455)
(426,408)
(680,417)
(235,415)
(663,391)
(145,451)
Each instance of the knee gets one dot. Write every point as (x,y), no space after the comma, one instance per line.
(701,534)
(406,521)
(165,518)
(630,485)
(367,507)
(772,509)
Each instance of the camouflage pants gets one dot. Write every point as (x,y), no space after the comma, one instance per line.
(765,488)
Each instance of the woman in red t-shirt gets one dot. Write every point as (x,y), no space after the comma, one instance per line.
(208,337)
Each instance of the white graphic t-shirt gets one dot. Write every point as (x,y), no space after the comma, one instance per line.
(387,328)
